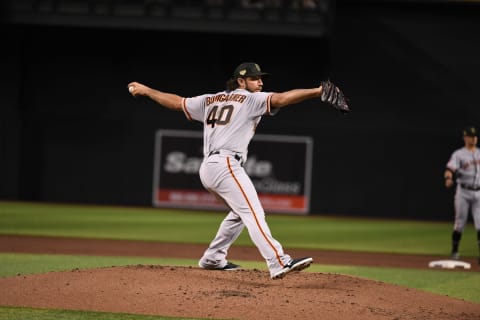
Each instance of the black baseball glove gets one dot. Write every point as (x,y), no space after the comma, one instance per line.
(332,95)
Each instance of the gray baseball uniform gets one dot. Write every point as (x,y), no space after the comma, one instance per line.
(466,166)
(230,120)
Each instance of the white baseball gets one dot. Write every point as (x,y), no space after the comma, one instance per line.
(131,88)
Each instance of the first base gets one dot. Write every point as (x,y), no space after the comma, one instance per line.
(449,264)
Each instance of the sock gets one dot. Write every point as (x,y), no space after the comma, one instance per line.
(456,237)
(478,241)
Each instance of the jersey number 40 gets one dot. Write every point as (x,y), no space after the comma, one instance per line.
(221,117)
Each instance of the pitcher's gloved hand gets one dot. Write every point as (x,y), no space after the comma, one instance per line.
(332,95)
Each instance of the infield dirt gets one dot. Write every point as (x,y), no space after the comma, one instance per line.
(243,294)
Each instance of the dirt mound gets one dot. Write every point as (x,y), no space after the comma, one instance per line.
(243,294)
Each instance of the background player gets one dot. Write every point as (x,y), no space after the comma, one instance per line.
(230,118)
(464,168)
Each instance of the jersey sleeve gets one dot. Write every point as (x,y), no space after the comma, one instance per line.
(260,103)
(452,163)
(194,107)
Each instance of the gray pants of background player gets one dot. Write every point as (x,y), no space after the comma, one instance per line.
(465,201)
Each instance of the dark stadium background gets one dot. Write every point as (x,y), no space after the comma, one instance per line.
(70,132)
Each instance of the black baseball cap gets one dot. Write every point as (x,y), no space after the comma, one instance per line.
(248,69)
(470,132)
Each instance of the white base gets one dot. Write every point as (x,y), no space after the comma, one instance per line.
(449,264)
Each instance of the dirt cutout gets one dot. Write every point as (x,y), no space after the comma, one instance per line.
(193,292)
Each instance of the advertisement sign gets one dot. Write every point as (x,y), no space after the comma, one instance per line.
(279,166)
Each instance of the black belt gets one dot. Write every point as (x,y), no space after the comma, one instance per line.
(465,186)
(236,156)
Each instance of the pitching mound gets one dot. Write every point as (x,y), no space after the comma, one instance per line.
(243,294)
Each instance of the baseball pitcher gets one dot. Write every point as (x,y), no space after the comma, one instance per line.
(229,119)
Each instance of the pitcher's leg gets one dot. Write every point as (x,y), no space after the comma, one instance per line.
(270,248)
(215,255)
(243,200)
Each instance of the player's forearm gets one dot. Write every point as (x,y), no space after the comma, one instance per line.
(168,100)
(448,174)
(286,98)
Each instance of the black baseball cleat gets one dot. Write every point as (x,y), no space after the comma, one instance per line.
(293,265)
(231,266)
(214,266)
(228,267)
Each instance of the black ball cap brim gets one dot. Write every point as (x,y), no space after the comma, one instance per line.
(248,69)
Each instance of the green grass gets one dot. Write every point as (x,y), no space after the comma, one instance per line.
(13,264)
(458,284)
(14,313)
(153,224)
(105,222)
